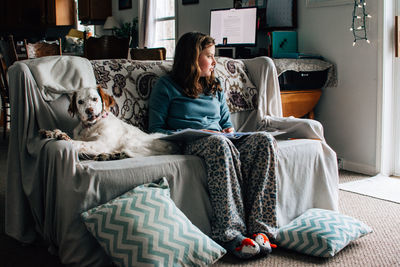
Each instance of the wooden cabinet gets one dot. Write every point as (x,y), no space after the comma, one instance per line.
(94,11)
(300,103)
(37,14)
(20,14)
(61,12)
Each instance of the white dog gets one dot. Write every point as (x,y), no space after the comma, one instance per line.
(102,135)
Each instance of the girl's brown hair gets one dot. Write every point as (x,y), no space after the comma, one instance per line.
(186,70)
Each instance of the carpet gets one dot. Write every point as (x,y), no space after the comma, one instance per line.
(379,186)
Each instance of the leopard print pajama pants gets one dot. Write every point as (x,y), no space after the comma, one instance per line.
(241,183)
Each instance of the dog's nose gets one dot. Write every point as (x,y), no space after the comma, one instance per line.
(89,111)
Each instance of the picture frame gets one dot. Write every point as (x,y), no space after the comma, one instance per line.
(323,3)
(275,15)
(189,2)
(124,4)
(280,15)
(248,3)
(397,36)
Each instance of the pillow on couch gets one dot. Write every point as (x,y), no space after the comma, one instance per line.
(241,93)
(143,226)
(320,232)
(130,83)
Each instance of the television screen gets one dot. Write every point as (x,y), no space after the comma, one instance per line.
(234,27)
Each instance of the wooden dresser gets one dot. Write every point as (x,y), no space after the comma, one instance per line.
(301,88)
(300,103)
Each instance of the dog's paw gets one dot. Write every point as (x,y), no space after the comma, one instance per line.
(60,135)
(102,157)
(110,156)
(120,155)
(84,156)
(45,134)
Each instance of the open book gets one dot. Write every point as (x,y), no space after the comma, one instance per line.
(189,135)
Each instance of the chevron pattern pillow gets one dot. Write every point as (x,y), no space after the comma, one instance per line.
(320,232)
(144,227)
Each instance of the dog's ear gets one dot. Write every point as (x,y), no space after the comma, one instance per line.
(72,109)
(108,101)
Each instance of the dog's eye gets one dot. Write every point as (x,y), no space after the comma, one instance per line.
(80,102)
(94,99)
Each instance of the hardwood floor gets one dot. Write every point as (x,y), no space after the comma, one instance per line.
(15,254)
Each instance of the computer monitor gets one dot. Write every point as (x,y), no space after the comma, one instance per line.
(234,27)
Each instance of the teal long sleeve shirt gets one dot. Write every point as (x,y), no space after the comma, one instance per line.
(170,110)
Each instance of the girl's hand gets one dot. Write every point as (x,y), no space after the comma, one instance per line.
(228,130)
(211,131)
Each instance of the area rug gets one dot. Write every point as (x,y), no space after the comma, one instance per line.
(379,186)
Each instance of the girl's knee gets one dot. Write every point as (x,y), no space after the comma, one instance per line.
(262,137)
(262,140)
(218,140)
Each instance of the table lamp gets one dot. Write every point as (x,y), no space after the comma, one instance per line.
(110,24)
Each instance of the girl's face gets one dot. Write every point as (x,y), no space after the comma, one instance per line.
(206,61)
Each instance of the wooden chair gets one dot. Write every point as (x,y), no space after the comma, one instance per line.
(7,49)
(4,92)
(42,49)
(106,47)
(8,55)
(148,53)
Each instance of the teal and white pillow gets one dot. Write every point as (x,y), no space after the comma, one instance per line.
(144,227)
(320,232)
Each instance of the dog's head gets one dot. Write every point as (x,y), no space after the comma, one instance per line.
(90,104)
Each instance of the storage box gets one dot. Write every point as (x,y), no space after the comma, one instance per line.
(283,42)
(302,80)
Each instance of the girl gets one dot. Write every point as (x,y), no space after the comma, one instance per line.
(241,175)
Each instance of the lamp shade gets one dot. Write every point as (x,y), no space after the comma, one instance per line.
(110,23)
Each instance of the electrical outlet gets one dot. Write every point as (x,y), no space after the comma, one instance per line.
(340,163)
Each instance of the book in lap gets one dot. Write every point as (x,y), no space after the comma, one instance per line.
(189,135)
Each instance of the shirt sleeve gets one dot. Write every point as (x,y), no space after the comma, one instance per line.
(158,107)
(225,121)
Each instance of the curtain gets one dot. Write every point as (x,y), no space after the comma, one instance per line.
(147,23)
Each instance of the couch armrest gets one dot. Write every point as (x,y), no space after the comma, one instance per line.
(294,127)
(262,72)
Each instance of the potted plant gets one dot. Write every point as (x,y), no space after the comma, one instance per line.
(128,30)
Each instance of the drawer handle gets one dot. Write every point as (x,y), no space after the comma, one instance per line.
(304,74)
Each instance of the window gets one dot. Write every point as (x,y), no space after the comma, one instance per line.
(80,27)
(165,26)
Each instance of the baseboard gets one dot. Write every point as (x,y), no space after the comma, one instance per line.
(358,167)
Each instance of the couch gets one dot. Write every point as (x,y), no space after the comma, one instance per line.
(48,185)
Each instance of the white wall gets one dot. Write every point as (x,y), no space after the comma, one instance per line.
(121,16)
(196,17)
(125,15)
(348,111)
(193,17)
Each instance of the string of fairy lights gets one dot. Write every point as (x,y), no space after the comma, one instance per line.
(358,26)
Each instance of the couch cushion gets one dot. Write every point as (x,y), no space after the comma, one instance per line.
(144,227)
(130,83)
(241,93)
